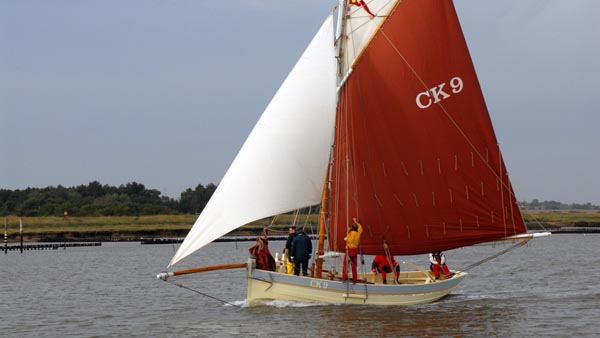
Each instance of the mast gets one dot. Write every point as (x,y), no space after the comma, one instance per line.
(338,40)
(339,33)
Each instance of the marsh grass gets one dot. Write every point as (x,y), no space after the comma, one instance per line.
(562,218)
(160,224)
(102,223)
(133,224)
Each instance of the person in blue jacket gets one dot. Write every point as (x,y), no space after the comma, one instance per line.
(300,253)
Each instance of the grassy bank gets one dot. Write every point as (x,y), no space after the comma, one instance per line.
(557,219)
(135,227)
(128,227)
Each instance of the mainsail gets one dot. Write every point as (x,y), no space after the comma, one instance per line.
(416,159)
(282,164)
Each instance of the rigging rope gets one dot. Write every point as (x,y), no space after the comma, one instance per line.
(295,222)
(520,243)
(538,222)
(307,221)
(390,260)
(202,294)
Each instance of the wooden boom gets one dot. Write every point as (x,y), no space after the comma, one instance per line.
(165,275)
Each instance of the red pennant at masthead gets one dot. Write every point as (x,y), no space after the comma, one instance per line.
(361,3)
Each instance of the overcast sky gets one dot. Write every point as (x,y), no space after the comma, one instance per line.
(164,92)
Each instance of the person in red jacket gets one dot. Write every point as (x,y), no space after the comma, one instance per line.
(381,264)
(260,252)
(438,265)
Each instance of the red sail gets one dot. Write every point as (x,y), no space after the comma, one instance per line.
(416,159)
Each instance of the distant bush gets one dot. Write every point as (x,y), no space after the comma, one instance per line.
(554,205)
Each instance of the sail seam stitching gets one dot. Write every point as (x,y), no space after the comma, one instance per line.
(444,110)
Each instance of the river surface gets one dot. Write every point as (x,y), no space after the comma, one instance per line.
(549,288)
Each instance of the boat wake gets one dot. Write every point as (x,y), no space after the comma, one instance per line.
(239,303)
(277,304)
(290,303)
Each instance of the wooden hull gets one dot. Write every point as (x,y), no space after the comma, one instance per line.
(417,287)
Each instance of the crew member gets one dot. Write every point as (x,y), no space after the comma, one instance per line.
(438,265)
(352,242)
(382,265)
(300,253)
(286,251)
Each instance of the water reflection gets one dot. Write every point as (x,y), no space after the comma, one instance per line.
(446,318)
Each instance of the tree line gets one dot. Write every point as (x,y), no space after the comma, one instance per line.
(536,204)
(134,199)
(95,199)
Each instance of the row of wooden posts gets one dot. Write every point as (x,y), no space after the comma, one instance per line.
(48,246)
(6,234)
(37,246)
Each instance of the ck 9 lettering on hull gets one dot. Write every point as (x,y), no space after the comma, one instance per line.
(437,94)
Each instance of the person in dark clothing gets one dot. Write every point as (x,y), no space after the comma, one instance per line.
(300,253)
(288,247)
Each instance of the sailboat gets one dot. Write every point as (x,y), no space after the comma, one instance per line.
(382,119)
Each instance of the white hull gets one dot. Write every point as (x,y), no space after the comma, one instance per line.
(416,287)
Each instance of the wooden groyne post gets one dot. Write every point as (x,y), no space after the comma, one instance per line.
(5,235)
(21,232)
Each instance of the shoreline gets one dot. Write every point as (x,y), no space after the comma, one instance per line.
(136,228)
(177,237)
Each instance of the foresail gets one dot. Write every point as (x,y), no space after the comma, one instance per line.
(416,159)
(282,164)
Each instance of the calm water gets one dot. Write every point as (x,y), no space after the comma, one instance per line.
(548,289)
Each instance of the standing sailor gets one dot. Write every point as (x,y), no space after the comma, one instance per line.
(300,253)
(286,251)
(352,242)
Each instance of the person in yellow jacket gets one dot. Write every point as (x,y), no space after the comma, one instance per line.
(352,242)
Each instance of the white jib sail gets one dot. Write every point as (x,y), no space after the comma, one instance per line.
(360,28)
(281,166)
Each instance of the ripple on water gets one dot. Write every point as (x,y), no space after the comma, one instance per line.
(111,291)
